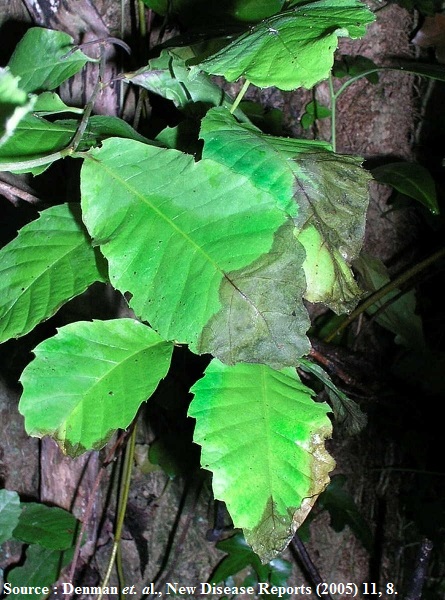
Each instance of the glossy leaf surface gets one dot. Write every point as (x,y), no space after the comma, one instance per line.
(262,436)
(48,263)
(411,179)
(44,58)
(292,49)
(186,240)
(90,379)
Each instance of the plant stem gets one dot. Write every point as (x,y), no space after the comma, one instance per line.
(333,113)
(122,505)
(240,96)
(386,289)
(24,165)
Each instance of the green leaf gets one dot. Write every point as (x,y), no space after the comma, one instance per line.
(50,527)
(184,238)
(314,111)
(292,49)
(343,511)
(44,58)
(399,315)
(50,103)
(240,555)
(183,137)
(15,103)
(209,12)
(431,71)
(262,436)
(326,193)
(266,160)
(410,179)
(42,567)
(169,77)
(355,66)
(10,510)
(90,379)
(35,137)
(48,263)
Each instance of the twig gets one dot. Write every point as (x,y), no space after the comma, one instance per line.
(89,508)
(420,569)
(11,192)
(311,570)
(101,41)
(122,506)
(385,290)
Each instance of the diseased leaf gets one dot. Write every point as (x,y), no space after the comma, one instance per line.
(177,233)
(50,527)
(44,58)
(331,191)
(15,103)
(326,193)
(48,263)
(329,278)
(10,510)
(332,195)
(410,179)
(230,332)
(90,379)
(41,568)
(266,160)
(292,49)
(262,436)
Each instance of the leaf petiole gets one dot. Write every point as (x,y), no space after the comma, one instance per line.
(240,96)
